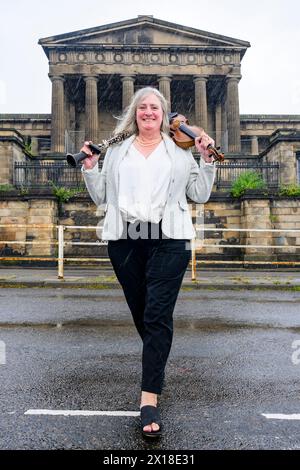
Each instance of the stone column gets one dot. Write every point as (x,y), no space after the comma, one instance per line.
(233,114)
(224,136)
(127,90)
(218,125)
(200,101)
(164,84)
(57,114)
(34,146)
(91,108)
(254,145)
(287,161)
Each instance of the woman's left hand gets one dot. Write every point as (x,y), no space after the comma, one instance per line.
(201,144)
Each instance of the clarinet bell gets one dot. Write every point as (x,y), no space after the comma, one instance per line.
(74,160)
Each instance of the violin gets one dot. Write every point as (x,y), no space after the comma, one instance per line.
(184,135)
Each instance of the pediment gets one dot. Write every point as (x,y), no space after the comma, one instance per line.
(144,30)
(145,35)
(141,35)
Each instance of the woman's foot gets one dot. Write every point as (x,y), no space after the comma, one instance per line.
(150,399)
(150,419)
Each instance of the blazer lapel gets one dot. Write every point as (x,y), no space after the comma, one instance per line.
(171,150)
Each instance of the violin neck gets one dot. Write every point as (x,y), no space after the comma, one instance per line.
(186,130)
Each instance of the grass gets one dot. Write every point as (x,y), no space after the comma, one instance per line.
(104,279)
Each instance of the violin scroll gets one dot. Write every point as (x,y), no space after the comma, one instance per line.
(214,151)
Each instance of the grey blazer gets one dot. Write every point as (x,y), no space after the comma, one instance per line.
(187,178)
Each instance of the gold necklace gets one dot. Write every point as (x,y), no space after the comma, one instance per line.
(147,144)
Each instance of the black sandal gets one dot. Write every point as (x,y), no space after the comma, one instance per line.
(149,415)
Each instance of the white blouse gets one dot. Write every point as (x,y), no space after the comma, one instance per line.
(143,184)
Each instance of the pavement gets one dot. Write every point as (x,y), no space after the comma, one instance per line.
(104,278)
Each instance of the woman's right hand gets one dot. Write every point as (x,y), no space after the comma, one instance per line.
(92,159)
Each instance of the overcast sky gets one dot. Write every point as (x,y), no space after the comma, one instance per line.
(270,81)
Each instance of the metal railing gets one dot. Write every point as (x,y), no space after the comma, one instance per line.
(41,174)
(38,175)
(61,243)
(228,172)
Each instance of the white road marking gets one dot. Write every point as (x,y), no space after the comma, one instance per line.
(81,413)
(281,416)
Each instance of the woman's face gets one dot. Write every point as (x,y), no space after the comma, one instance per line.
(149,114)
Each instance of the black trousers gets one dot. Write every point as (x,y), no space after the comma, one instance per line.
(150,270)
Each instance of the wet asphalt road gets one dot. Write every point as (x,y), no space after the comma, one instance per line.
(76,349)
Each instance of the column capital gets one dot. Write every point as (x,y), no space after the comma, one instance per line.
(200,78)
(232,78)
(165,77)
(90,77)
(56,77)
(129,77)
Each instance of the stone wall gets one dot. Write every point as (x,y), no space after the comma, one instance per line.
(252,212)
(33,125)
(257,129)
(284,153)
(256,214)
(81,212)
(28,211)
(285,214)
(35,129)
(11,151)
(221,212)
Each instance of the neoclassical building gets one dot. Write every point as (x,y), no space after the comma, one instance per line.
(94,73)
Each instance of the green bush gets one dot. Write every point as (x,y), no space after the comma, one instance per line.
(247,180)
(64,194)
(6,187)
(24,191)
(289,190)
(27,148)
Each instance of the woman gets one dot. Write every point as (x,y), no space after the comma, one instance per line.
(144,182)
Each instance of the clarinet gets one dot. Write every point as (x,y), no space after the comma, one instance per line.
(74,159)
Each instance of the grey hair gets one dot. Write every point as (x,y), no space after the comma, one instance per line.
(128,120)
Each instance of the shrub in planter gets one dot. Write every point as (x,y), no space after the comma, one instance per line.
(247,180)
